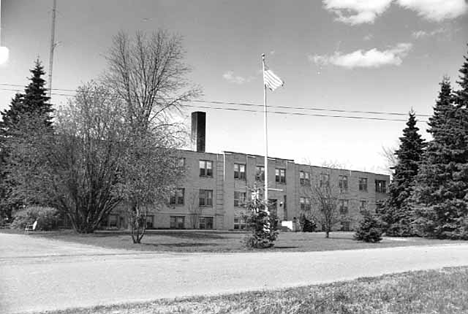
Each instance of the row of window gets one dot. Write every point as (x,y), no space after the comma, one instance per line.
(206,170)
(178,222)
(343,205)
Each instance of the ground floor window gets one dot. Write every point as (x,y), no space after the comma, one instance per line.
(345,226)
(113,221)
(177,222)
(149,221)
(206,222)
(239,223)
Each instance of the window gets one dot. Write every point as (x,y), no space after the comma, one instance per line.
(343,183)
(206,168)
(177,222)
(177,197)
(206,222)
(344,207)
(206,198)
(149,221)
(181,162)
(280,175)
(324,179)
(113,219)
(239,223)
(345,226)
(362,205)
(305,203)
(363,184)
(239,171)
(260,173)
(304,177)
(380,186)
(239,198)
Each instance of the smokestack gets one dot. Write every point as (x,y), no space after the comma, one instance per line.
(198,131)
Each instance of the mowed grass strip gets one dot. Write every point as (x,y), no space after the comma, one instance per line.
(436,291)
(188,241)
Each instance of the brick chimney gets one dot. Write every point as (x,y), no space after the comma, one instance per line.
(198,137)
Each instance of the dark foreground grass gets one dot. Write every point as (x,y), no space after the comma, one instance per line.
(438,291)
(226,241)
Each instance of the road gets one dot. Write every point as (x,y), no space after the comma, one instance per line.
(41,274)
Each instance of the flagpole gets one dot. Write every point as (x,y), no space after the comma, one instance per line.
(265,129)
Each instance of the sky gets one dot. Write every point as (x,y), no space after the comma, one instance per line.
(338,59)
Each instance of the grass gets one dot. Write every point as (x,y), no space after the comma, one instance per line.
(437,291)
(188,241)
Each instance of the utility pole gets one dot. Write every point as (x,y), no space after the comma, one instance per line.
(52,48)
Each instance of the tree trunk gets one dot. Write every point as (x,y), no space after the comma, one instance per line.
(327,234)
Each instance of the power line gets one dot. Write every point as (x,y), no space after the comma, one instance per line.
(273,107)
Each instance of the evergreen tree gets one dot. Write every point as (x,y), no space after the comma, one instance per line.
(369,229)
(397,212)
(28,111)
(442,190)
(32,104)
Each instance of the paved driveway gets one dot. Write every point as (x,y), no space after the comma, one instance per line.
(40,274)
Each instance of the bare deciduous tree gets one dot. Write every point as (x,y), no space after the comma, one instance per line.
(195,210)
(149,74)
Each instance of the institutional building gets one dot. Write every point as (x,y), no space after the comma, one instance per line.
(217,185)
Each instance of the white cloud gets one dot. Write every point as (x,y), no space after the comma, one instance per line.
(436,10)
(372,58)
(357,11)
(422,34)
(232,78)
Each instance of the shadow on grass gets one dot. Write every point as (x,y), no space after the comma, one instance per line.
(179,245)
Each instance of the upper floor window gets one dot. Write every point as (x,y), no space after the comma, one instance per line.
(239,171)
(343,205)
(343,183)
(305,203)
(324,179)
(206,168)
(239,198)
(304,178)
(177,197)
(205,197)
(260,173)
(380,186)
(280,175)
(363,184)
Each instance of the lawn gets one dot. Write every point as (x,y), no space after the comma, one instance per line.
(226,241)
(436,291)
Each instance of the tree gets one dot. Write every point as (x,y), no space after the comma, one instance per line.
(31,108)
(325,209)
(369,229)
(195,210)
(149,74)
(397,212)
(442,185)
(261,222)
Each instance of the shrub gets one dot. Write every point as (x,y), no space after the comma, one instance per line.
(47,218)
(262,224)
(369,229)
(307,225)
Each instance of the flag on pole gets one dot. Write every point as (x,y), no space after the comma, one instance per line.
(271,80)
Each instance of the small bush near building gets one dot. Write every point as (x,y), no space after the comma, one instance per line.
(307,224)
(369,229)
(261,223)
(47,218)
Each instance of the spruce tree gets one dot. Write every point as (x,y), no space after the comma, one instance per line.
(397,212)
(29,114)
(442,190)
